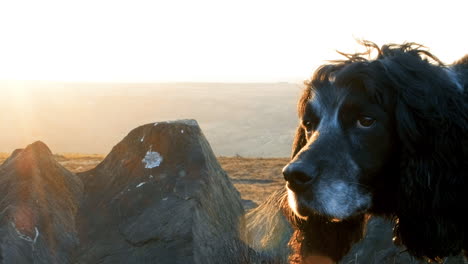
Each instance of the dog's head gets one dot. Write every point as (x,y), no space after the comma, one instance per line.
(361,121)
(343,143)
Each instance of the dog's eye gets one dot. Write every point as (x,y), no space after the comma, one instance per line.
(308,125)
(365,122)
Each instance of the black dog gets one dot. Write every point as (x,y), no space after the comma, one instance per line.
(389,137)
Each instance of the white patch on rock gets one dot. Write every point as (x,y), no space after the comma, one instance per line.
(155,124)
(152,159)
(151,176)
(164,199)
(182,131)
(142,138)
(140,184)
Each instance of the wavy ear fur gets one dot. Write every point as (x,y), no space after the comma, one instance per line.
(431,116)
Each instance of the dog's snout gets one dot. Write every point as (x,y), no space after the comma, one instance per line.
(298,176)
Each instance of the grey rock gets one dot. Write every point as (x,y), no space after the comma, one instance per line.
(160,196)
(38,203)
(248,204)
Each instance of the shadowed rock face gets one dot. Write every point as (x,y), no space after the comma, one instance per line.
(160,196)
(38,203)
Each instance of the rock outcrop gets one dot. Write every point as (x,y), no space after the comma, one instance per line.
(160,196)
(38,204)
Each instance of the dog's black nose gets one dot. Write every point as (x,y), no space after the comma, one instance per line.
(298,176)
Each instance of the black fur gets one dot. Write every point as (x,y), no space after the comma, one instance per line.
(410,164)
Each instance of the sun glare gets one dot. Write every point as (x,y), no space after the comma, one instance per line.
(21,111)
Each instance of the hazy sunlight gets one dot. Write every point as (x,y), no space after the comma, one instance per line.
(207,40)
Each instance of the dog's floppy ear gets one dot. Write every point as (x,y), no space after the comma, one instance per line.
(431,119)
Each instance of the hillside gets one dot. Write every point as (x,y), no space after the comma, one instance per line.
(251,120)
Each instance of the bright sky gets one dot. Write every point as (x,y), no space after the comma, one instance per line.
(210,40)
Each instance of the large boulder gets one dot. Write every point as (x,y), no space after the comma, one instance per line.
(38,203)
(160,196)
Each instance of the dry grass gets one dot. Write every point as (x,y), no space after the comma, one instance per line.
(69,156)
(255,178)
(77,162)
(3,156)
